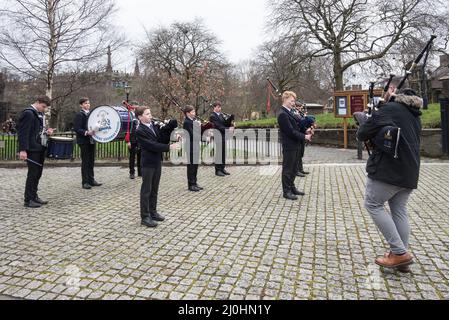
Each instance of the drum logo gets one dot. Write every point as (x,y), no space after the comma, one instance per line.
(104,124)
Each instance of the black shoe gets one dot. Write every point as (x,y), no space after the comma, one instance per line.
(201,188)
(157,217)
(297,192)
(225,172)
(304,172)
(220,174)
(32,204)
(87,186)
(194,188)
(95,184)
(300,174)
(132,176)
(148,222)
(290,196)
(40,201)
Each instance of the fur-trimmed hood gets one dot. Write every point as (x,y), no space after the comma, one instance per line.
(414,104)
(410,101)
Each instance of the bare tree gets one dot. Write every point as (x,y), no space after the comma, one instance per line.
(39,38)
(288,64)
(183,61)
(350,32)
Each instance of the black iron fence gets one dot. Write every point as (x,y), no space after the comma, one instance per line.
(244,147)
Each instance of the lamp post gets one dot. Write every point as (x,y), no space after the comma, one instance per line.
(127,91)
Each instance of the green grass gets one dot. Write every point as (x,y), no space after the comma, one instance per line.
(431,118)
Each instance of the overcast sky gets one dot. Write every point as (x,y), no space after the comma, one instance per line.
(239,24)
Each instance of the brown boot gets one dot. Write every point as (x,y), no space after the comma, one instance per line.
(393,261)
(401,269)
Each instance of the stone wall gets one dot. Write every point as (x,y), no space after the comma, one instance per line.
(431,140)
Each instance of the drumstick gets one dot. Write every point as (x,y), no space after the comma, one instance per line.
(34,162)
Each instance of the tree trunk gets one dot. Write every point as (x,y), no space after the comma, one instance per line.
(51,59)
(338,71)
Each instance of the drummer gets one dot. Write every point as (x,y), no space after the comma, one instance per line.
(32,145)
(86,145)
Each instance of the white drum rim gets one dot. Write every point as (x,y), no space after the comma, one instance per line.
(117,130)
(57,138)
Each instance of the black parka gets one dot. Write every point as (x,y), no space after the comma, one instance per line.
(404,112)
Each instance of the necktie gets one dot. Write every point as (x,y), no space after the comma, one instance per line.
(152,129)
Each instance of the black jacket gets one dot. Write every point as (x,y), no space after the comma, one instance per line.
(404,113)
(31,125)
(219,123)
(152,150)
(289,131)
(193,155)
(80,127)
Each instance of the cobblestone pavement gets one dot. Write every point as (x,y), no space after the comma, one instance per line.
(237,239)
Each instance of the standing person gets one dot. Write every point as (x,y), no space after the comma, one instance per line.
(193,129)
(300,117)
(86,144)
(219,123)
(133,147)
(392,179)
(147,137)
(32,147)
(291,137)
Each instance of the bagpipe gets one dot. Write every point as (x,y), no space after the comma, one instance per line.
(205,125)
(388,138)
(305,122)
(166,127)
(229,119)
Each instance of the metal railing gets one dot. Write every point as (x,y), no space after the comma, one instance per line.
(245,147)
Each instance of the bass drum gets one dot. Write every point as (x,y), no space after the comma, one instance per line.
(60,147)
(109,123)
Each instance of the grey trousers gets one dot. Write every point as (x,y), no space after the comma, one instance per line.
(395,227)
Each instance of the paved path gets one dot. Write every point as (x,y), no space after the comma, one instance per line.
(237,239)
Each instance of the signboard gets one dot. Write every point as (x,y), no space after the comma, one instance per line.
(358,103)
(348,102)
(342,105)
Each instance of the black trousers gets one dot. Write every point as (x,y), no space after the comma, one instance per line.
(192,172)
(302,147)
(149,190)
(87,162)
(34,174)
(134,152)
(289,169)
(220,154)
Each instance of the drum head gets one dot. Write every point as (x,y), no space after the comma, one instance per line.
(106,123)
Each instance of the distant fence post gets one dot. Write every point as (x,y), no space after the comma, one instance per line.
(445,124)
